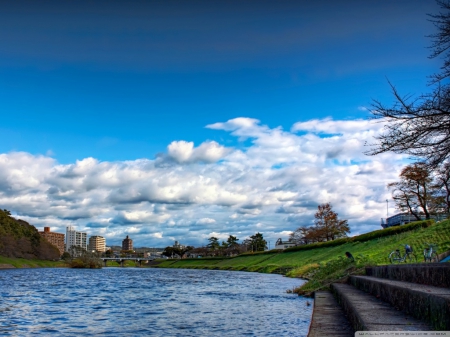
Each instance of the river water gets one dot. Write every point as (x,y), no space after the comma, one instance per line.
(149,302)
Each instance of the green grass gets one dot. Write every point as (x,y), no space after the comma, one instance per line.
(26,263)
(323,265)
(127,263)
(189,263)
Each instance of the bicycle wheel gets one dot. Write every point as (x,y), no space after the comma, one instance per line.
(411,258)
(425,255)
(394,257)
(434,258)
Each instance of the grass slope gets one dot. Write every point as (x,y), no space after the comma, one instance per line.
(323,265)
(29,263)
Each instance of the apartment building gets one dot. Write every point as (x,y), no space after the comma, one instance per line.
(127,244)
(56,239)
(75,238)
(97,243)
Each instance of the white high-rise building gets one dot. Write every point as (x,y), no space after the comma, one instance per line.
(75,238)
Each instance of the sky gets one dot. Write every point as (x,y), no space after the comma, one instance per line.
(175,120)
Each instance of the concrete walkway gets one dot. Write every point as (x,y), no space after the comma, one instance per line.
(328,317)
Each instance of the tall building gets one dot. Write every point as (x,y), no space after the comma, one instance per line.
(75,238)
(127,244)
(97,243)
(177,245)
(56,239)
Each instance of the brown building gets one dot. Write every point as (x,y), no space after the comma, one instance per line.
(127,244)
(97,243)
(56,239)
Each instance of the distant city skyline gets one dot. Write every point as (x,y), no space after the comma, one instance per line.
(180,121)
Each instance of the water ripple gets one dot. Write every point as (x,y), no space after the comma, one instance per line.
(149,302)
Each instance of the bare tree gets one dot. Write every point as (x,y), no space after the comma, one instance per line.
(420,126)
(442,184)
(301,236)
(441,40)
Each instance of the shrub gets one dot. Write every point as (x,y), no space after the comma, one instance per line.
(87,260)
(303,271)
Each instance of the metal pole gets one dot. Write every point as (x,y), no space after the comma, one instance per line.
(387,209)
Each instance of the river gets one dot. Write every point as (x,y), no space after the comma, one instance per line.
(149,302)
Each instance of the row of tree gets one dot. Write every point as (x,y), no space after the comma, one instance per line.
(327,226)
(230,247)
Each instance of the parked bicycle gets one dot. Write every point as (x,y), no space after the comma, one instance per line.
(430,253)
(408,257)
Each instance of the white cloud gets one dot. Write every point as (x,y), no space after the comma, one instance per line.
(205,221)
(235,124)
(272,185)
(158,235)
(184,152)
(181,150)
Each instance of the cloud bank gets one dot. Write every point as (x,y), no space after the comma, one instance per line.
(189,193)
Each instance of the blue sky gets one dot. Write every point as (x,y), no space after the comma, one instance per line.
(119,82)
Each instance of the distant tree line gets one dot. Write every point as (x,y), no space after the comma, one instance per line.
(230,247)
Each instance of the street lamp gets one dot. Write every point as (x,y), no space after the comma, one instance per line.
(387,209)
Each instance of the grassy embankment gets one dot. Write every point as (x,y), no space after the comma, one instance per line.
(127,263)
(29,263)
(326,262)
(6,262)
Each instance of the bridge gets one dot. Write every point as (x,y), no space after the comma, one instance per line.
(121,260)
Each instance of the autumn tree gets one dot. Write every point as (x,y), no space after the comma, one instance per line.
(419,126)
(327,224)
(413,193)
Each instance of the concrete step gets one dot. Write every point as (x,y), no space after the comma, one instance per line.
(328,317)
(368,313)
(434,274)
(428,303)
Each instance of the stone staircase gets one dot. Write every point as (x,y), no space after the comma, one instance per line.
(412,297)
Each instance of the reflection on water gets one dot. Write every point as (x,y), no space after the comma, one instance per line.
(149,302)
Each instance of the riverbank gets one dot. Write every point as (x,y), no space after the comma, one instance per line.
(321,264)
(9,263)
(324,265)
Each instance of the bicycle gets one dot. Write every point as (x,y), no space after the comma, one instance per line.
(430,253)
(408,257)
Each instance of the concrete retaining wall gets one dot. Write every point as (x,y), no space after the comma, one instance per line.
(435,274)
